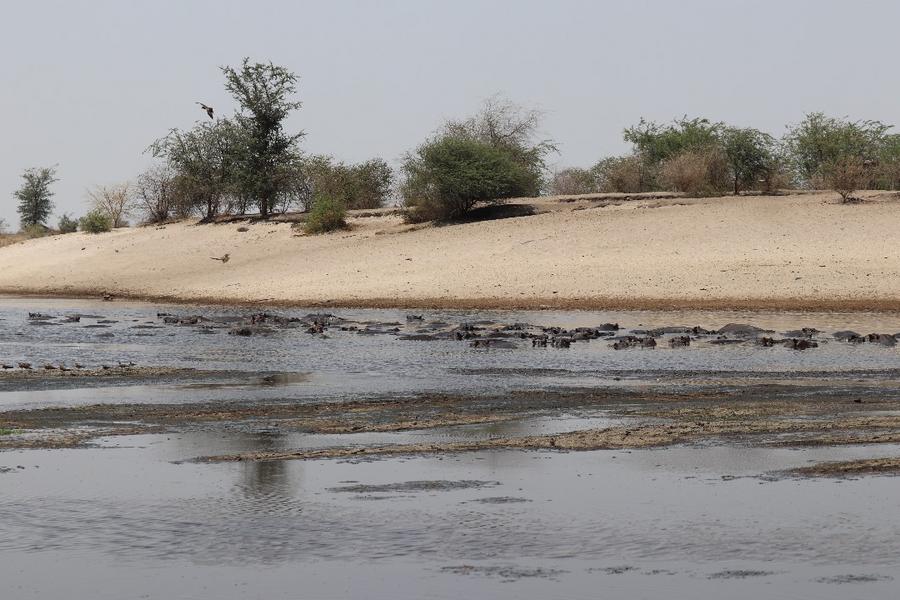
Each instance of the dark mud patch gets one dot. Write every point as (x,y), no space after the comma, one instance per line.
(740,574)
(507,574)
(617,570)
(501,500)
(854,578)
(439,485)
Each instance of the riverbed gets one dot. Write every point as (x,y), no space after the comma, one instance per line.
(193,478)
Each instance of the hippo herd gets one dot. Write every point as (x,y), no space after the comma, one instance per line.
(499,335)
(479,334)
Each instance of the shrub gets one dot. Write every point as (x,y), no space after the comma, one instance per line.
(114,201)
(847,174)
(820,142)
(696,172)
(96,221)
(363,185)
(67,224)
(326,215)
(448,176)
(512,129)
(35,231)
(155,192)
(776,176)
(573,181)
(625,174)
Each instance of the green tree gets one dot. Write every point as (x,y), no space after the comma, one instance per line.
(35,196)
(511,129)
(204,161)
(264,93)
(447,176)
(819,141)
(887,174)
(656,142)
(748,153)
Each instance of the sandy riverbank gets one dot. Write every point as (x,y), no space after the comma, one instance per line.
(798,251)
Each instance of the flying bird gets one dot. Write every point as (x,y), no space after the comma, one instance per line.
(208,109)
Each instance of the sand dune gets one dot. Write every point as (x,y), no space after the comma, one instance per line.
(798,251)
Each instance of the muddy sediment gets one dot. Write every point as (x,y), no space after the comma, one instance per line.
(871,466)
(833,413)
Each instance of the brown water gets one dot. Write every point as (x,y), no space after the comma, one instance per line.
(132,517)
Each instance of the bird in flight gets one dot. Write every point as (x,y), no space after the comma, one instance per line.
(208,109)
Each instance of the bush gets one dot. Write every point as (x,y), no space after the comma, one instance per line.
(846,175)
(696,172)
(573,181)
(624,174)
(448,176)
(776,176)
(96,221)
(819,143)
(363,185)
(67,224)
(35,231)
(326,215)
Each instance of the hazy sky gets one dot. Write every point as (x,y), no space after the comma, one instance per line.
(88,85)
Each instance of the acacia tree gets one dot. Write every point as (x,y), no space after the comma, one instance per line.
(748,152)
(205,161)
(264,93)
(819,142)
(656,143)
(35,196)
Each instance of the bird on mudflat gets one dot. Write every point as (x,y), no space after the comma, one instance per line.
(208,109)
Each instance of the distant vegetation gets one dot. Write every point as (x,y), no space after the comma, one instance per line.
(234,165)
(248,163)
(701,157)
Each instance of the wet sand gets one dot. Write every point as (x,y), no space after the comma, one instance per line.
(754,415)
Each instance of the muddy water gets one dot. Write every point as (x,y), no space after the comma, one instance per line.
(132,517)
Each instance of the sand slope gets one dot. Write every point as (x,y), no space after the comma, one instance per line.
(799,251)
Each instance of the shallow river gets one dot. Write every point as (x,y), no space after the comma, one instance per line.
(127,517)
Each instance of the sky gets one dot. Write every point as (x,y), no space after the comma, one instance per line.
(88,85)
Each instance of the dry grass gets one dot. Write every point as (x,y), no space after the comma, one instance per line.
(7,239)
